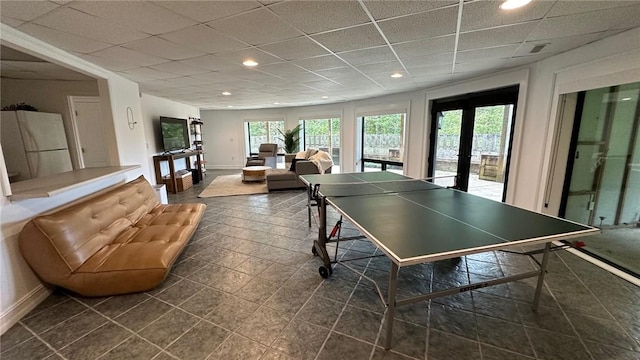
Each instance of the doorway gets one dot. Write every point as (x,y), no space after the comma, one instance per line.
(86,115)
(471,141)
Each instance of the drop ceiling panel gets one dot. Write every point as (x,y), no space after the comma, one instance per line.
(146,74)
(76,22)
(557,45)
(204,39)
(118,58)
(584,23)
(162,48)
(255,54)
(69,42)
(203,11)
(368,56)
(282,69)
(315,16)
(561,8)
(295,49)
(387,9)
(487,14)
(387,67)
(26,10)
(425,46)
(144,16)
(443,69)
(215,77)
(256,27)
(420,26)
(320,63)
(14,23)
(504,35)
(211,62)
(353,38)
(179,68)
(499,52)
(430,60)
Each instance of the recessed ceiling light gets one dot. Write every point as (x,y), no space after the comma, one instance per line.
(626,99)
(276,103)
(325,97)
(226,93)
(229,105)
(396,75)
(249,62)
(513,4)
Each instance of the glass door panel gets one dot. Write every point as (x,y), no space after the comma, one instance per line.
(448,147)
(491,130)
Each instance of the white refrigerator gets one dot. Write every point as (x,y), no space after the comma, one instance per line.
(34,144)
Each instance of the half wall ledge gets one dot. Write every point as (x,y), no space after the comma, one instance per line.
(59,183)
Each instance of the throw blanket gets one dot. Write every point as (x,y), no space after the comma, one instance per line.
(323,161)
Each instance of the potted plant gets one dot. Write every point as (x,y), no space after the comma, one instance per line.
(291,140)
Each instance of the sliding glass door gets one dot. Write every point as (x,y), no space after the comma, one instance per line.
(470,141)
(602,186)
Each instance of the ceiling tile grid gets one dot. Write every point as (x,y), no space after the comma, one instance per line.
(192,51)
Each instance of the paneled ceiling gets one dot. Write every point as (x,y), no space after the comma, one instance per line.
(308,52)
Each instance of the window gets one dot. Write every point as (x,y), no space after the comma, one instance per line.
(323,134)
(383,142)
(260,132)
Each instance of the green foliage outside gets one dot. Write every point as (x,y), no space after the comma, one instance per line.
(383,124)
(488,121)
(321,126)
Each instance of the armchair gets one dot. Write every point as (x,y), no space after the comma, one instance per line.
(267,154)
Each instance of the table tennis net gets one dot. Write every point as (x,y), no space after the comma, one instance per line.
(376,187)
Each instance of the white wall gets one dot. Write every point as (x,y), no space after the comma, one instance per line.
(224,129)
(152,108)
(48,96)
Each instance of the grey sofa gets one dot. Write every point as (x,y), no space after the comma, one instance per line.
(280,179)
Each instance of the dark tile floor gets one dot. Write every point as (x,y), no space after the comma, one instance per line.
(247,287)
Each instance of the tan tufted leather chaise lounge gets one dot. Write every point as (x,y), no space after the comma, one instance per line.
(120,241)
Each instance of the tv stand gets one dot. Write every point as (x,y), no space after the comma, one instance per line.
(170,158)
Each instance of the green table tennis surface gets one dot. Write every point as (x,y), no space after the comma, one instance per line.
(414,221)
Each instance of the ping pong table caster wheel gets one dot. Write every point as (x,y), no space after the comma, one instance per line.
(325,272)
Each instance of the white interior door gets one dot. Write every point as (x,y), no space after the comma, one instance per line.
(87,114)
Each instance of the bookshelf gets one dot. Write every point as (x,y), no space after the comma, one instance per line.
(195,127)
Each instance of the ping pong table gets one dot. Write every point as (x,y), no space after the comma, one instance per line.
(414,221)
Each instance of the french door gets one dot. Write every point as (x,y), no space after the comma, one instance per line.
(471,141)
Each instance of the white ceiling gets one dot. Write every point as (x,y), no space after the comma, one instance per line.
(191,51)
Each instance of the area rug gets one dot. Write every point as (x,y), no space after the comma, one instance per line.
(229,185)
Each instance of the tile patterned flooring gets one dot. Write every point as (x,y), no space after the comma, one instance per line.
(247,287)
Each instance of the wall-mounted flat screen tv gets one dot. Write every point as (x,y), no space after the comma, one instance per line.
(175,133)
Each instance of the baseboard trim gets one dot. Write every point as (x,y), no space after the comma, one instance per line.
(22,307)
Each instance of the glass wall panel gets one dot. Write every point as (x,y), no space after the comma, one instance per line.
(603,188)
(323,134)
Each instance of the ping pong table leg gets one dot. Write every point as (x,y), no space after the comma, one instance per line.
(391,304)
(309,201)
(543,270)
